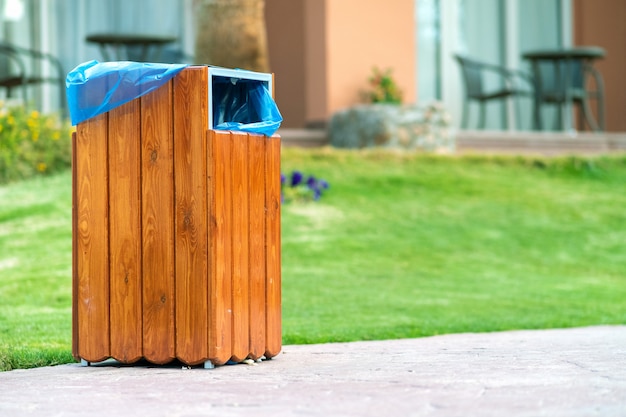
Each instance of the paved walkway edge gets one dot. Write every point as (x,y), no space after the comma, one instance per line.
(563,372)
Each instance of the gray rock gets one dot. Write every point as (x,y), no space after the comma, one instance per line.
(413,126)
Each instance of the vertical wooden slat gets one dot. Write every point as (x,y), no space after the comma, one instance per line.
(240,235)
(273,323)
(158,225)
(221,257)
(256,175)
(210,186)
(272,201)
(125,232)
(190,169)
(75,333)
(92,239)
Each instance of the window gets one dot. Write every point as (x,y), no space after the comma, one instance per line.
(495,31)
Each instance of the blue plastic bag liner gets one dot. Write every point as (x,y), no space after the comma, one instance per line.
(97,87)
(241,101)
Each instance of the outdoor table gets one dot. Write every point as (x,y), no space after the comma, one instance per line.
(560,78)
(125,42)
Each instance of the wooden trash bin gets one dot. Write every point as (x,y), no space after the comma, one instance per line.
(176,233)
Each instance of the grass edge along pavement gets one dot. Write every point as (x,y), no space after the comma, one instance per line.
(400,245)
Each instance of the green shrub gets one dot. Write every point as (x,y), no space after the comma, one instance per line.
(382,88)
(32,143)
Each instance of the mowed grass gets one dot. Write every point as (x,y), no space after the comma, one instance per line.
(410,245)
(401,245)
(35,272)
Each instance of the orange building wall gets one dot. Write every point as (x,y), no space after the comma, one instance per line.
(362,34)
(323,51)
(286,38)
(316,70)
(601,23)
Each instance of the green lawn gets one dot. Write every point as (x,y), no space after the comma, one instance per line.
(35,272)
(416,246)
(399,246)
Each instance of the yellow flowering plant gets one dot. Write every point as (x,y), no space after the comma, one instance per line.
(32,143)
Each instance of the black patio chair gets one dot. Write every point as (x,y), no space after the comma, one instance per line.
(512,86)
(21,68)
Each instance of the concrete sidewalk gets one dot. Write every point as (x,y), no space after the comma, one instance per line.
(571,372)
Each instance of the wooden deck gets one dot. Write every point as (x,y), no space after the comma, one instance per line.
(533,143)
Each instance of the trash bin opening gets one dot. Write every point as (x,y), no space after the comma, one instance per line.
(232,100)
(242,101)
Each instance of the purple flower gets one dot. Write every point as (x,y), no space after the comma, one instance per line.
(299,187)
(317,193)
(296,178)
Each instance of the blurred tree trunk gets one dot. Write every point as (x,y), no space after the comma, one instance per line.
(232,34)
